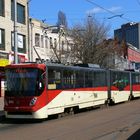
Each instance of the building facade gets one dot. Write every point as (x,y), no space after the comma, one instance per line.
(48,42)
(7,31)
(132,60)
(129,33)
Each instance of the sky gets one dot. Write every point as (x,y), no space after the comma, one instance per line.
(113,13)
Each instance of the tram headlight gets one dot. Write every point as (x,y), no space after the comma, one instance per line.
(33,101)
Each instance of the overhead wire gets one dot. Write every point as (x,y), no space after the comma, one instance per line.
(109,11)
(138,2)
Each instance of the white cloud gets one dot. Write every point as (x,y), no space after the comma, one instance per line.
(95,10)
(114,9)
(100,10)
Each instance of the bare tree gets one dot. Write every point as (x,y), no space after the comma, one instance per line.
(107,52)
(90,44)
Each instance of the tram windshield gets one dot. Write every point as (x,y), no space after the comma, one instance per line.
(22,82)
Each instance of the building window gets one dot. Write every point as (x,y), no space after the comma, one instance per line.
(55,43)
(42,41)
(46,41)
(21,43)
(20,12)
(2,39)
(37,39)
(62,46)
(51,43)
(1,7)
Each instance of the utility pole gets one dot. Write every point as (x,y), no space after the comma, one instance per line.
(15,33)
(28,23)
(31,38)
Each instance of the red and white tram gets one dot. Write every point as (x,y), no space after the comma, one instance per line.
(39,90)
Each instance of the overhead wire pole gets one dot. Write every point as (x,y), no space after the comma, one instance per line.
(31,49)
(15,33)
(28,23)
(29,28)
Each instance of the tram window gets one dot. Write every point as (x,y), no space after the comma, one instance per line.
(68,79)
(114,78)
(120,79)
(41,81)
(136,78)
(88,79)
(54,79)
(79,79)
(99,79)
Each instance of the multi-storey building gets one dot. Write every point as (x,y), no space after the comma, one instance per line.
(48,42)
(7,31)
(129,33)
(7,34)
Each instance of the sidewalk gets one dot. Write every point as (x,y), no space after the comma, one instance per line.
(1,106)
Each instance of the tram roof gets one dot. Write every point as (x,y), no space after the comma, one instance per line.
(60,66)
(74,67)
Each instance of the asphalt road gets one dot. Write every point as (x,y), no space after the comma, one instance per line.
(119,122)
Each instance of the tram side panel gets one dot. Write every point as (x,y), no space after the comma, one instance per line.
(120,86)
(80,89)
(135,84)
(75,98)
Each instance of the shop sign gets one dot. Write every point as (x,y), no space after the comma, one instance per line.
(20,41)
(4,62)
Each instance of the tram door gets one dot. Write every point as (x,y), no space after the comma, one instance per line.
(2,83)
(2,87)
